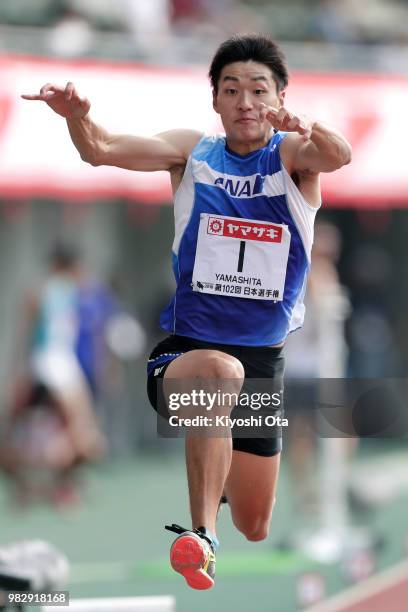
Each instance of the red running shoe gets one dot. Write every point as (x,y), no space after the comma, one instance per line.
(192,555)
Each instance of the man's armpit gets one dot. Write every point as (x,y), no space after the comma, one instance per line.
(176,176)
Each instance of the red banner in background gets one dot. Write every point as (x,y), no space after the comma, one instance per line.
(38,159)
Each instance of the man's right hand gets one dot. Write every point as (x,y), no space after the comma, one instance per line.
(63,100)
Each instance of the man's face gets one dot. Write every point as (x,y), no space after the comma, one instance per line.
(242,87)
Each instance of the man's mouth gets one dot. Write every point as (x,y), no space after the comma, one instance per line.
(245,120)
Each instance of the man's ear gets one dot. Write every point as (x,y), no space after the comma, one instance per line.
(214,97)
(282,97)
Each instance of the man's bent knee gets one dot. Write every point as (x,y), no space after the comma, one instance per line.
(216,365)
(207,370)
(255,532)
(254,526)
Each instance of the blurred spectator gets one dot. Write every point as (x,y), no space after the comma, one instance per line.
(51,427)
(152,22)
(372,340)
(100,14)
(71,36)
(333,22)
(184,31)
(72,336)
(215,16)
(149,23)
(105,329)
(189,10)
(306,356)
(318,351)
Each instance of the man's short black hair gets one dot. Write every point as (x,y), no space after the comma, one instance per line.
(247,47)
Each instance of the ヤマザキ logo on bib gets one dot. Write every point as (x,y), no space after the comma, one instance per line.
(245,230)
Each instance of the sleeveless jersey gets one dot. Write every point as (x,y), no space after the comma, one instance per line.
(242,247)
(57,324)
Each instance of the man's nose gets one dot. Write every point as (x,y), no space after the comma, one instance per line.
(245,101)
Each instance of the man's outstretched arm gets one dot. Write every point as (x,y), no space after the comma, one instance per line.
(98,147)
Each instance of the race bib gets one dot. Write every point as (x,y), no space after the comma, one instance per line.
(241,257)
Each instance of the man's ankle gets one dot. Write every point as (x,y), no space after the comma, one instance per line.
(210,536)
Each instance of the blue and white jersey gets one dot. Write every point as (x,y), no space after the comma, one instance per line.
(242,247)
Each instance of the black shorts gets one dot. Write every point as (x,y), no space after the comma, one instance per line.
(259,363)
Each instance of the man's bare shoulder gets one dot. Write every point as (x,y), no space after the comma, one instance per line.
(183,139)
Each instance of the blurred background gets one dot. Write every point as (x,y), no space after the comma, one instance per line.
(85,270)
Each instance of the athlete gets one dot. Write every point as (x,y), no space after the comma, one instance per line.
(245,204)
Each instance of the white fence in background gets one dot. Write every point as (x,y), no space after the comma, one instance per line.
(165,603)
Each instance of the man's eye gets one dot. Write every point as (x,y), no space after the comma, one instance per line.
(260,91)
(230,91)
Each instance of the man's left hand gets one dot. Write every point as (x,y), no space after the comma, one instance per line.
(282,119)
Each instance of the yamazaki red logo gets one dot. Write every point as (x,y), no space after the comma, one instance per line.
(244,230)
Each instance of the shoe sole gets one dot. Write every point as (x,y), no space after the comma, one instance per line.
(187,557)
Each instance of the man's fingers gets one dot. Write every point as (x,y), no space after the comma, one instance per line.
(71,95)
(282,119)
(70,91)
(47,92)
(49,87)
(267,108)
(42,97)
(305,132)
(294,124)
(84,102)
(267,112)
(283,116)
(272,117)
(270,110)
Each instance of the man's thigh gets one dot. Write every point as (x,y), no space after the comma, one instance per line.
(180,358)
(251,489)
